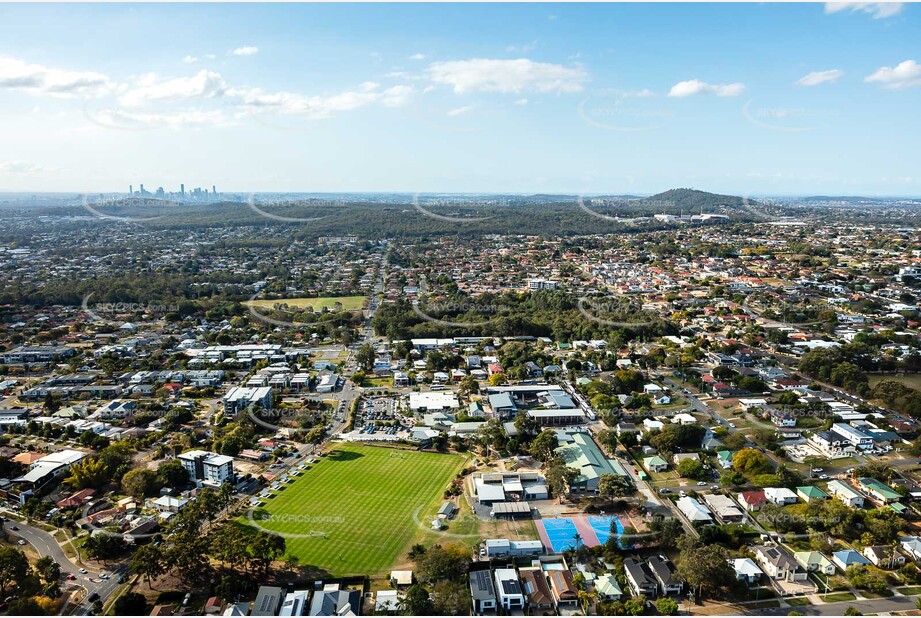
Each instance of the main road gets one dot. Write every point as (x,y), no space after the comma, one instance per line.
(47,545)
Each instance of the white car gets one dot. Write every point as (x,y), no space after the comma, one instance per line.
(22,541)
(701,484)
(104,576)
(84,571)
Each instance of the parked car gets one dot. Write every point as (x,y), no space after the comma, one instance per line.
(665,490)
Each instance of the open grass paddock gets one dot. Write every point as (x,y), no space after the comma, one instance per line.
(349,303)
(354,512)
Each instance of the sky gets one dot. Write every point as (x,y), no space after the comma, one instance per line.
(748,99)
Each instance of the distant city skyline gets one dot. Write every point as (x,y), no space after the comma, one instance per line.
(745,99)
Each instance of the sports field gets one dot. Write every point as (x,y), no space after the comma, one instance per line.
(354,512)
(349,303)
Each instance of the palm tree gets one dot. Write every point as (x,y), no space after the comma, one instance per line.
(578,539)
(586,598)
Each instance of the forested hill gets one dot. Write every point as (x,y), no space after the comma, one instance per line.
(694,200)
(530,215)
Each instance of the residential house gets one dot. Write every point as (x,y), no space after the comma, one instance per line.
(746,570)
(607,588)
(878,490)
(655,464)
(884,556)
(562,587)
(831,444)
(778,564)
(268,600)
(482,592)
(814,561)
(724,508)
(664,572)
(536,588)
(845,493)
(780,495)
(511,594)
(911,545)
(752,500)
(847,557)
(639,578)
(694,511)
(808,493)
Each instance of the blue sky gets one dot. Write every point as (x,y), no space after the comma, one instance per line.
(750,99)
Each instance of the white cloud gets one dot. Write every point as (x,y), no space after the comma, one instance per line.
(204,84)
(321,106)
(525,49)
(190,59)
(21,167)
(17,74)
(249,50)
(820,77)
(634,94)
(417,57)
(879,10)
(906,74)
(460,111)
(695,86)
(521,102)
(397,95)
(210,56)
(183,119)
(486,75)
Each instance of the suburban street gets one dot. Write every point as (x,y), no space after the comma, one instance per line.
(46,545)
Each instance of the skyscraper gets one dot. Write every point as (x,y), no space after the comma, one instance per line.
(182,189)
